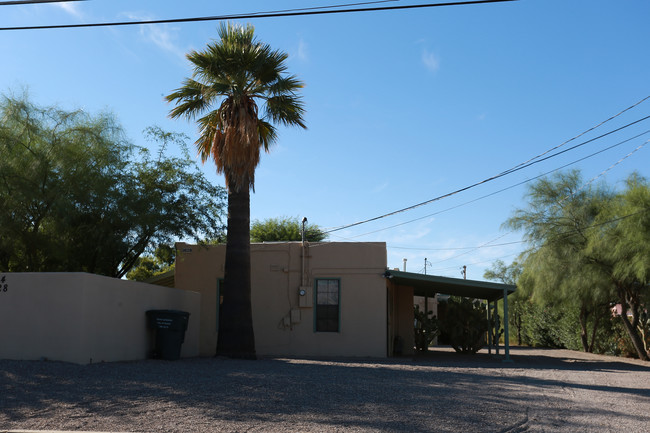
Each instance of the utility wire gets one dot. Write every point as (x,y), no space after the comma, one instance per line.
(26,2)
(325,7)
(253,15)
(490,244)
(475,263)
(614,165)
(504,173)
(559,203)
(523,165)
(583,133)
(506,188)
(455,249)
(557,236)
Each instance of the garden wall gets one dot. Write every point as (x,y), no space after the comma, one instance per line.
(85,318)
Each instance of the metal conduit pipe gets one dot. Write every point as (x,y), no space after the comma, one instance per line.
(302,262)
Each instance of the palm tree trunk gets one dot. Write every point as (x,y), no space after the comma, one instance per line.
(236,338)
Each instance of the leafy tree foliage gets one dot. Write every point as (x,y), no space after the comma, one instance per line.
(551,323)
(620,243)
(284,229)
(518,301)
(233,79)
(150,265)
(77,196)
(588,251)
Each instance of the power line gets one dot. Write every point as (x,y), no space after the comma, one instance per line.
(26,2)
(611,166)
(557,204)
(556,236)
(325,7)
(508,187)
(489,244)
(506,172)
(476,263)
(253,15)
(457,248)
(585,132)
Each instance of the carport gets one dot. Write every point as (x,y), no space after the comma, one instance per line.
(403,286)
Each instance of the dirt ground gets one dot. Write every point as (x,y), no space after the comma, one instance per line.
(541,391)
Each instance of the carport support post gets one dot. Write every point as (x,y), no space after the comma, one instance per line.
(490,328)
(506,335)
(495,306)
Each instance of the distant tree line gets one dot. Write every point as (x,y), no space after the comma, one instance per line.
(284,229)
(77,195)
(584,282)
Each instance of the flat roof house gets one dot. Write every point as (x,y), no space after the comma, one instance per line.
(319,299)
(323,299)
(314,299)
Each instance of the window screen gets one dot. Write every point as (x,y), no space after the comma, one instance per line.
(327,305)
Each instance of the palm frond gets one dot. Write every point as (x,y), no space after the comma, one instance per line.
(284,85)
(286,109)
(267,134)
(191,99)
(230,78)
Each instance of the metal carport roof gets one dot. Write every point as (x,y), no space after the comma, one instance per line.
(428,285)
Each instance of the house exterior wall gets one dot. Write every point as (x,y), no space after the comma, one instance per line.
(283,320)
(401,320)
(85,318)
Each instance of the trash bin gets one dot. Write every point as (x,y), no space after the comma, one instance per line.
(169,327)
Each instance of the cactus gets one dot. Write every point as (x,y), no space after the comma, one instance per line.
(426,328)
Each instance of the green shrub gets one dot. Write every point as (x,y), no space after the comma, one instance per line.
(465,324)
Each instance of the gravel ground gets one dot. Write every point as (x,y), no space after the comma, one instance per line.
(541,391)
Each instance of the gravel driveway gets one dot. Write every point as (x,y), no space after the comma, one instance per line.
(542,390)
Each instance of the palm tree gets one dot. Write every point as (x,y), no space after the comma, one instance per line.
(233,78)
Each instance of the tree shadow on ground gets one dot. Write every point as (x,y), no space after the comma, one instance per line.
(533,358)
(285,394)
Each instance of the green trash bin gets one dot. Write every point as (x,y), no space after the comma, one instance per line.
(169,327)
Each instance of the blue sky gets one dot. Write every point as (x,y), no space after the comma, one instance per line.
(402,106)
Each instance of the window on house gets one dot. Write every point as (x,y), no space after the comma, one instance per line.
(327,305)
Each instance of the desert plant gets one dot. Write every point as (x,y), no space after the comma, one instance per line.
(465,324)
(426,328)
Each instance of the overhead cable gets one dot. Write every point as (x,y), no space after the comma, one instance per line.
(457,248)
(559,203)
(509,171)
(584,132)
(557,236)
(253,15)
(26,2)
(509,187)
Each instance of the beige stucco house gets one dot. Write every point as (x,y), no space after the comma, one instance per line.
(320,299)
(323,299)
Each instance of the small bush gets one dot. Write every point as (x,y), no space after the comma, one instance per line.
(465,324)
